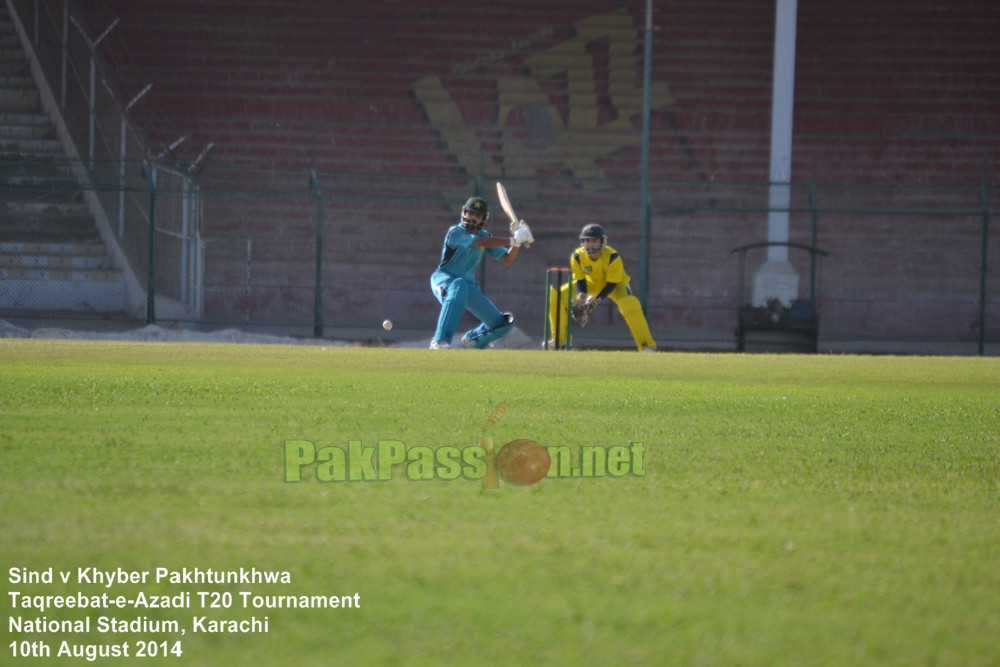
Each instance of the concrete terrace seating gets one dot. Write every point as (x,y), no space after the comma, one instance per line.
(51,255)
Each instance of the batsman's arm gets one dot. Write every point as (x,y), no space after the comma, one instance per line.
(511,255)
(493,242)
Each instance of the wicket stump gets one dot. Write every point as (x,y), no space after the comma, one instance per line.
(564,314)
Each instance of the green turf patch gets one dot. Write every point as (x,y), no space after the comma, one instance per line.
(791,509)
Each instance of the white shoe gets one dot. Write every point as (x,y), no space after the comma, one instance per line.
(435,345)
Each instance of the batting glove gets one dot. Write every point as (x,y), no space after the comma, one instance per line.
(522,235)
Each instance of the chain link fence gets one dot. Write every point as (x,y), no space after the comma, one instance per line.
(101,233)
(884,269)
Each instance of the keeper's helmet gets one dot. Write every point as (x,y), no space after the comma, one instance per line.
(475,205)
(593,232)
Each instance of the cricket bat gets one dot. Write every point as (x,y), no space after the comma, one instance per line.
(508,208)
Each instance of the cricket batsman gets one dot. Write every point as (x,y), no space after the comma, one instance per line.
(598,274)
(454,282)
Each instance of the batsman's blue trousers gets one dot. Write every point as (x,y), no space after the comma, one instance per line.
(456,296)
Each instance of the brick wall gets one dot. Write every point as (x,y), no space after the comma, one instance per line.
(403,105)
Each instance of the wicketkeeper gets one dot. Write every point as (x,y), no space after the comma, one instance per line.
(454,282)
(598,274)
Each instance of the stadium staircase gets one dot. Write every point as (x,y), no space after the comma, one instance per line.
(52,258)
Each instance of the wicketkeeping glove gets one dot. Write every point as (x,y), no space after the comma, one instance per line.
(582,307)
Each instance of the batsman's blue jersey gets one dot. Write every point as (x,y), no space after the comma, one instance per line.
(459,258)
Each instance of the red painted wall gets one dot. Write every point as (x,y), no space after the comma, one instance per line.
(402,105)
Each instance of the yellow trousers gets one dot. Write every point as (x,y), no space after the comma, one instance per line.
(628,306)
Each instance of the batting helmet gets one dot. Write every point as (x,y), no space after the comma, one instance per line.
(593,232)
(475,205)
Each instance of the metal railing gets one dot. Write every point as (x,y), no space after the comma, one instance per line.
(145,207)
(908,269)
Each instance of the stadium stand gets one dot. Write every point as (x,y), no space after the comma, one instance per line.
(396,109)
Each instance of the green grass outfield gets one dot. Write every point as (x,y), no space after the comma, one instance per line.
(789,510)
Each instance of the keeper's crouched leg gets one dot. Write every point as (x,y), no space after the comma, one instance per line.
(631,309)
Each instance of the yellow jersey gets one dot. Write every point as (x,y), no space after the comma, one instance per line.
(607,268)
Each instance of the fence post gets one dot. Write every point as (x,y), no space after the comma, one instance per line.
(982,262)
(479,191)
(123,157)
(64,69)
(318,289)
(151,272)
(92,102)
(645,212)
(814,205)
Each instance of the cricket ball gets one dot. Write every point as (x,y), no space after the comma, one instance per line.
(387,324)
(523,462)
